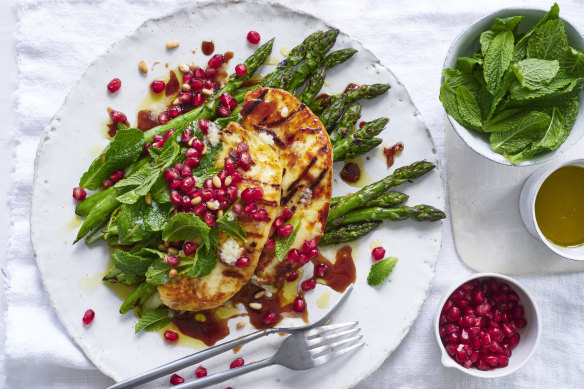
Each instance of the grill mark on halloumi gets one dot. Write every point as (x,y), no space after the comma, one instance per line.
(280,121)
(247,110)
(318,179)
(294,185)
(277,140)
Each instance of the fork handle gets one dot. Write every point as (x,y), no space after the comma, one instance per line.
(226,375)
(191,360)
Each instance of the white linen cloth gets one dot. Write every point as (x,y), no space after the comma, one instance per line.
(55,42)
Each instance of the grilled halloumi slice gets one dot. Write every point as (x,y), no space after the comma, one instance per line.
(199,293)
(305,153)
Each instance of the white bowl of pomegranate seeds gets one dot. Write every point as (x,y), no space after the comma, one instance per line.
(487,326)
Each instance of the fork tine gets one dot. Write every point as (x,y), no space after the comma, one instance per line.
(336,354)
(319,330)
(330,346)
(328,336)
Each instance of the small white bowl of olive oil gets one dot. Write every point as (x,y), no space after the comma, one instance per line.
(552,207)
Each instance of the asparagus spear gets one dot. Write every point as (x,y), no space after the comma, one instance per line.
(208,110)
(338,57)
(348,120)
(419,213)
(313,86)
(361,148)
(372,191)
(141,294)
(390,199)
(363,92)
(332,113)
(368,131)
(348,233)
(314,58)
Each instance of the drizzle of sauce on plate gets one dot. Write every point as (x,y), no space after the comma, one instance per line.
(208,47)
(391,152)
(340,274)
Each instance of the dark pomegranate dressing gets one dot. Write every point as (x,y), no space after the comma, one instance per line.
(351,172)
(339,275)
(208,47)
(391,152)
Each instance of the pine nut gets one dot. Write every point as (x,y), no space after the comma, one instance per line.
(143,67)
(172,251)
(207,92)
(284,112)
(240,324)
(186,87)
(228,181)
(217,181)
(256,306)
(259,294)
(212,205)
(171,44)
(148,198)
(196,200)
(183,67)
(172,273)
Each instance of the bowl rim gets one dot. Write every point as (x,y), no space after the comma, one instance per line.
(447,361)
(492,156)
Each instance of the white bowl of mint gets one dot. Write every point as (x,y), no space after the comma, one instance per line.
(512,83)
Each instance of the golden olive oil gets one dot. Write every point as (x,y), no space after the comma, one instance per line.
(559,206)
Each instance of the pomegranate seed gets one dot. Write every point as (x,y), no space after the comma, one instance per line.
(187,77)
(293,255)
(208,184)
(443,319)
(245,161)
(303,259)
(237,363)
(292,277)
(208,84)
(157,86)
(250,209)
(171,336)
(258,193)
(107,184)
(187,184)
(242,261)
(237,208)
(508,329)
(310,244)
(216,61)
(171,174)
(287,214)
(79,194)
(185,97)
(117,175)
(227,100)
(475,342)
(240,70)
(198,145)
(451,348)
(197,84)
(229,165)
(193,162)
(114,85)
(468,320)
(175,111)
(482,365)
(247,196)
(285,231)
(189,248)
(223,111)
(477,296)
(270,244)
(496,334)
(175,379)
(299,304)
(204,125)
(209,219)
(242,147)
(88,316)
(200,209)
(453,337)
(157,138)
(198,99)
(192,152)
(279,222)
(378,253)
(220,193)
(320,270)
(270,318)
(186,171)
(175,198)
(447,306)
(200,372)
(172,260)
(117,116)
(308,284)
(450,328)
(210,73)
(518,312)
(236,178)
(520,323)
(512,297)
(253,37)
(232,193)
(313,253)
(207,194)
(453,314)
(163,118)
(261,215)
(199,73)
(483,309)
(514,340)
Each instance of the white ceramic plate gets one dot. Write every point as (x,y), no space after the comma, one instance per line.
(71,274)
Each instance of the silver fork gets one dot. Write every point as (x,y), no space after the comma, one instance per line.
(298,352)
(221,348)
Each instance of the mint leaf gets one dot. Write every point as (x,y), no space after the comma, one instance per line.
(130,222)
(573,63)
(145,179)
(205,256)
(130,264)
(212,171)
(448,99)
(160,191)
(549,41)
(184,226)
(525,132)
(455,78)
(208,160)
(157,273)
(156,216)
(153,320)
(557,86)
(468,107)
(379,271)
(535,73)
(500,92)
(486,39)
(505,120)
(231,227)
(498,59)
(123,150)
(506,24)
(553,138)
(520,50)
(283,244)
(468,64)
